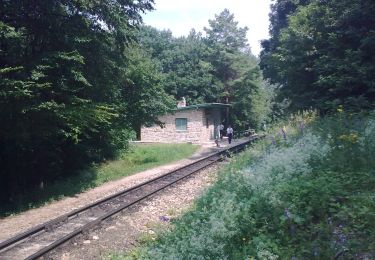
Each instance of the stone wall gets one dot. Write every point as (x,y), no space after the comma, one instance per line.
(200,128)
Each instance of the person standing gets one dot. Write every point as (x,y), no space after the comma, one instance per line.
(229,133)
(221,130)
(217,135)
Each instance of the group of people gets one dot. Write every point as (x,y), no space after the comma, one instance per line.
(221,132)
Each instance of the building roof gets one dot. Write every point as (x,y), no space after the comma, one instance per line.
(204,105)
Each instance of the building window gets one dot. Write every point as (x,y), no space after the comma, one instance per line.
(181,124)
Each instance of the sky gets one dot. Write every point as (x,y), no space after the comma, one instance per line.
(180,16)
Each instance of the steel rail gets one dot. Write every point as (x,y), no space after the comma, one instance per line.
(67,216)
(7,244)
(106,216)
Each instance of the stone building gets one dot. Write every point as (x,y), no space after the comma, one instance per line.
(195,124)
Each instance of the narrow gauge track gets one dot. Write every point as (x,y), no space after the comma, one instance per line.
(41,239)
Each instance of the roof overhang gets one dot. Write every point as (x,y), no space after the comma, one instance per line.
(203,106)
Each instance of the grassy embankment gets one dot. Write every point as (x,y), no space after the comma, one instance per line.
(305,194)
(138,158)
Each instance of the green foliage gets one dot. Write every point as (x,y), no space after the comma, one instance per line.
(215,68)
(143,91)
(137,158)
(76,86)
(73,87)
(251,100)
(183,62)
(237,70)
(306,192)
(320,53)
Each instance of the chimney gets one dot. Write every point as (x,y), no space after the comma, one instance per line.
(182,103)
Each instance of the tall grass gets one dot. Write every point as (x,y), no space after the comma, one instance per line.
(306,192)
(142,157)
(138,158)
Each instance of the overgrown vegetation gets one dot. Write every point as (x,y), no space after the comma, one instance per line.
(322,53)
(138,158)
(306,192)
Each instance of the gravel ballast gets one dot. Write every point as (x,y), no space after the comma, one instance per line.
(128,228)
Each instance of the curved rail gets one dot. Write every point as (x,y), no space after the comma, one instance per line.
(85,218)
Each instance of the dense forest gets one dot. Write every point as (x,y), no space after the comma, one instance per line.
(321,53)
(79,78)
(68,87)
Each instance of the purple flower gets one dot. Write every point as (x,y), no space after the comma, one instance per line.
(273,140)
(164,218)
(302,127)
(287,213)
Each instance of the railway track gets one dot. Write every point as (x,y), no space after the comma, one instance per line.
(41,239)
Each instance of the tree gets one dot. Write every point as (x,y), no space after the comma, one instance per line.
(63,69)
(227,43)
(280,12)
(252,98)
(322,56)
(143,91)
(215,68)
(183,61)
(237,70)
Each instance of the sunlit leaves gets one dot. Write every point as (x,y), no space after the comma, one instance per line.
(62,74)
(319,53)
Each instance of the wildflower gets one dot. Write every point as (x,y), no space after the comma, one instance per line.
(340,109)
(283,130)
(273,140)
(350,138)
(302,127)
(164,218)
